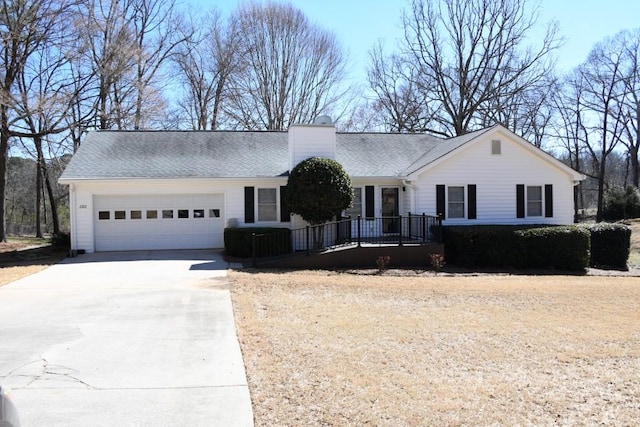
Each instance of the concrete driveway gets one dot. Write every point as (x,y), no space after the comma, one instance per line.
(126,339)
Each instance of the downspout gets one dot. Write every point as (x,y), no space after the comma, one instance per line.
(73,217)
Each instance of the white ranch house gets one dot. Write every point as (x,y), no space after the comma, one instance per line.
(145,190)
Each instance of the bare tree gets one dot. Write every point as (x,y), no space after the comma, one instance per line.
(292,70)
(47,93)
(629,43)
(469,55)
(25,26)
(527,112)
(401,95)
(569,130)
(106,39)
(206,63)
(159,32)
(603,91)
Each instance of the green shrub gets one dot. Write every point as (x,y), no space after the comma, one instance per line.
(621,203)
(555,247)
(238,242)
(610,245)
(317,189)
(61,241)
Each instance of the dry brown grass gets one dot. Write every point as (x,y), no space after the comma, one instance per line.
(21,257)
(340,349)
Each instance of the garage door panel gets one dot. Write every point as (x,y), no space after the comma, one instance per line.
(158,233)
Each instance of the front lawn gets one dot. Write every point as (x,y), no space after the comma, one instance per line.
(23,256)
(341,349)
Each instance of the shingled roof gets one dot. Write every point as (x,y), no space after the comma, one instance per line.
(244,154)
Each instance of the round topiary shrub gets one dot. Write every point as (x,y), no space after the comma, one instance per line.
(318,189)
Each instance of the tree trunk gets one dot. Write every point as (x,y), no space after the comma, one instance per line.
(635,166)
(38,194)
(601,182)
(52,202)
(4,153)
(43,175)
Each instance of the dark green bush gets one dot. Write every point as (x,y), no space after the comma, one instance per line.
(610,245)
(238,242)
(317,189)
(555,247)
(621,203)
(61,241)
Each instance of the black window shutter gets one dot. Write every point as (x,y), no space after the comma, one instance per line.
(249,205)
(520,200)
(285,215)
(548,201)
(369,194)
(440,206)
(471,194)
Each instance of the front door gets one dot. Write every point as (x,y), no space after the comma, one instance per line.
(390,210)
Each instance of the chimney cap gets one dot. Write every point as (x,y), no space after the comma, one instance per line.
(323,120)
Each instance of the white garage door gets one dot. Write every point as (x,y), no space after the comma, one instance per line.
(143,222)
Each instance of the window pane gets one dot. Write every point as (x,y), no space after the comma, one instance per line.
(267,213)
(534,201)
(214,213)
(120,215)
(198,213)
(136,214)
(183,213)
(456,194)
(104,215)
(167,214)
(534,209)
(356,209)
(534,193)
(456,202)
(152,214)
(266,196)
(267,206)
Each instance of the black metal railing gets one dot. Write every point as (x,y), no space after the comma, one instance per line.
(388,230)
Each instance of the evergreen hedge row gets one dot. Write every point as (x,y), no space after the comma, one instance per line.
(610,244)
(238,242)
(520,247)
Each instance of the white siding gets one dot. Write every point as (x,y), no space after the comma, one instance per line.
(307,141)
(496,177)
(232,190)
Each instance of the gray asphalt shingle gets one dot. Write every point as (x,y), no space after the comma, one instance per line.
(244,154)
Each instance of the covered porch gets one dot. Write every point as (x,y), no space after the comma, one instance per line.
(352,243)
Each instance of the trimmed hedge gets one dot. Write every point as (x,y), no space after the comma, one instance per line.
(238,242)
(547,247)
(610,245)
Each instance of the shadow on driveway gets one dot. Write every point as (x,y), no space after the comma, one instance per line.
(212,258)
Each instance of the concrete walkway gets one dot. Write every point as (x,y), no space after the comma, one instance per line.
(126,339)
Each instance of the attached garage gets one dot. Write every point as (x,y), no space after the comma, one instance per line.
(151,222)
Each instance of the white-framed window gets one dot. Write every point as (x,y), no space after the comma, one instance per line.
(267,204)
(534,200)
(356,207)
(455,202)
